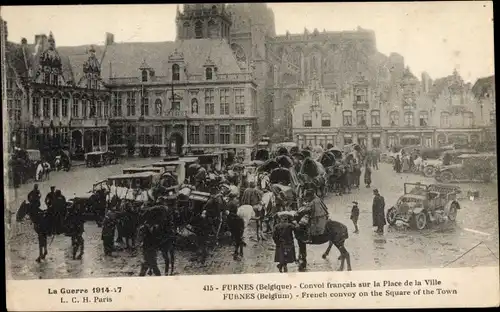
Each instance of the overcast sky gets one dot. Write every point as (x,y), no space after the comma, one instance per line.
(433,37)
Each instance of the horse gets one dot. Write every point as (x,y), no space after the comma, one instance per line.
(335,234)
(42,223)
(313,173)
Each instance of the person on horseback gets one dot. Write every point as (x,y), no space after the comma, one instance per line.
(251,196)
(34,197)
(315,215)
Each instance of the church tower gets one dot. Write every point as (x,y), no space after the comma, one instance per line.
(199,21)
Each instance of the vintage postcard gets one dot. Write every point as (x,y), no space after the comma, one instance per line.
(250,155)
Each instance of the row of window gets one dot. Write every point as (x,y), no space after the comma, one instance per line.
(153,134)
(42,135)
(56,107)
(176,76)
(224,95)
(346,117)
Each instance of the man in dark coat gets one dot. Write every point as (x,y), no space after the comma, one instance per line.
(75,228)
(108,232)
(378,211)
(357,173)
(285,248)
(59,208)
(251,196)
(49,198)
(150,233)
(34,197)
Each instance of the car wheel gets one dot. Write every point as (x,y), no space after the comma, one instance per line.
(452,214)
(429,171)
(419,221)
(445,177)
(391,216)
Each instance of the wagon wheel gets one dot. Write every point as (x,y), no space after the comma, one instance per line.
(391,216)
(452,214)
(429,171)
(419,221)
(445,177)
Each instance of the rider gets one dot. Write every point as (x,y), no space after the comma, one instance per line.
(251,195)
(34,197)
(315,215)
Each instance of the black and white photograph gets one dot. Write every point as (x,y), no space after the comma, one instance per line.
(248,138)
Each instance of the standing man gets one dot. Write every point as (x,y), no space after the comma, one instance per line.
(150,233)
(378,211)
(34,197)
(355,216)
(108,232)
(375,158)
(285,247)
(59,207)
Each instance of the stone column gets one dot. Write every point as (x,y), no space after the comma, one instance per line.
(83,135)
(369,140)
(60,108)
(99,133)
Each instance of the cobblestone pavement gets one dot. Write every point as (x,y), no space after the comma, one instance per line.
(439,246)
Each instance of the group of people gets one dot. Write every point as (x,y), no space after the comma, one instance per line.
(56,207)
(408,162)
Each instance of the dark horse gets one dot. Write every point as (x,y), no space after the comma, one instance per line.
(310,175)
(335,233)
(43,227)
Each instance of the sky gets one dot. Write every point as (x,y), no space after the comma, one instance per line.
(435,37)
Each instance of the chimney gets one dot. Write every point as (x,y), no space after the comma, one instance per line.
(110,39)
(41,41)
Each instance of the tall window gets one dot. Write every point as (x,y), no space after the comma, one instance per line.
(209,135)
(445,119)
(131,133)
(176,72)
(46,78)
(36,107)
(239,101)
(85,105)
(92,109)
(307,120)
(224,134)
(145,104)
(158,107)
(361,117)
(240,134)
(347,118)
(394,118)
(106,109)
(375,118)
(157,135)
(493,117)
(117,104)
(424,119)
(409,122)
(224,101)
(64,107)
(194,134)
(325,120)
(55,107)
(74,108)
(142,135)
(144,75)
(99,108)
(186,30)
(176,106)
(130,103)
(209,102)
(46,107)
(116,135)
(375,142)
(198,29)
(208,73)
(468,119)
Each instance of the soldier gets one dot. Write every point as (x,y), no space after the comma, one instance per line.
(59,207)
(108,232)
(150,233)
(75,228)
(285,247)
(200,177)
(355,216)
(49,198)
(378,211)
(315,216)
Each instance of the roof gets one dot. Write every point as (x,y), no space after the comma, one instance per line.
(133,175)
(143,168)
(174,162)
(482,86)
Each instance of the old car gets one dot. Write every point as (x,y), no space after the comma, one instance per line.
(432,164)
(423,204)
(213,160)
(135,187)
(468,168)
(95,159)
(175,169)
(143,169)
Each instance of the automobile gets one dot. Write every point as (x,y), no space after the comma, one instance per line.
(430,165)
(176,169)
(143,169)
(398,151)
(468,168)
(135,187)
(422,204)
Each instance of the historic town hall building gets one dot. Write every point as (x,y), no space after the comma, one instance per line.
(227,79)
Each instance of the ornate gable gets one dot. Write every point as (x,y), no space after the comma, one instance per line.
(49,69)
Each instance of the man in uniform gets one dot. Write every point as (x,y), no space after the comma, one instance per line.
(378,211)
(150,233)
(59,208)
(108,232)
(49,198)
(75,228)
(251,195)
(315,216)
(34,197)
(200,177)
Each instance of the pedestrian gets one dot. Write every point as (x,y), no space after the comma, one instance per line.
(357,173)
(368,176)
(39,172)
(34,197)
(46,170)
(108,232)
(355,216)
(378,212)
(397,164)
(285,247)
(59,208)
(406,163)
(375,159)
(150,233)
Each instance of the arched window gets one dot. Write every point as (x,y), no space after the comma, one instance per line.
(175,72)
(375,118)
(394,117)
(158,107)
(185,30)
(198,29)
(361,117)
(212,29)
(307,120)
(409,122)
(144,75)
(445,119)
(347,118)
(325,120)
(424,119)
(208,73)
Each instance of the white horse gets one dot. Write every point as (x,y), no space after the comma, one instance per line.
(256,213)
(40,172)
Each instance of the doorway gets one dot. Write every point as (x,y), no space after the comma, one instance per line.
(175,143)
